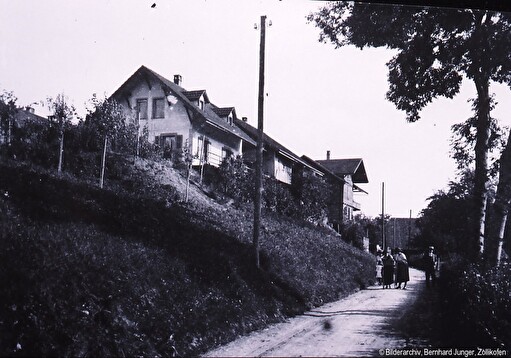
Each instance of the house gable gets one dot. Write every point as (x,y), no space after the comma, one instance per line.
(169,111)
(351,171)
(352,167)
(228,114)
(198,97)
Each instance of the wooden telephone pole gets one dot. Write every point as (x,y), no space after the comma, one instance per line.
(259,151)
(383,217)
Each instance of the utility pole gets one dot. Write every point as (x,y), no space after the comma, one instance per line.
(410,228)
(259,151)
(383,216)
(137,154)
(394,232)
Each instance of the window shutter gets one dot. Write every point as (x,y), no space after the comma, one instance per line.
(179,141)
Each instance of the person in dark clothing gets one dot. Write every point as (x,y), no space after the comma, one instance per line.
(402,270)
(430,266)
(388,270)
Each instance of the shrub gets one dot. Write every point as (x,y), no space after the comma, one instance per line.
(477,304)
(353,233)
(36,142)
(278,198)
(312,195)
(146,149)
(235,179)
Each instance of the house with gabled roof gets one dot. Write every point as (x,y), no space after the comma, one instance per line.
(176,118)
(23,117)
(278,161)
(335,215)
(353,172)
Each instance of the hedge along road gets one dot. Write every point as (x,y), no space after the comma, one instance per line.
(358,325)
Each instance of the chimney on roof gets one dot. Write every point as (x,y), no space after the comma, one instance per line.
(327,155)
(244,119)
(178,80)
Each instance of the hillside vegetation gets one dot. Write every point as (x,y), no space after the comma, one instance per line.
(133,270)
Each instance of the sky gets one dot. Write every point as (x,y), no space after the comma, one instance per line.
(318,98)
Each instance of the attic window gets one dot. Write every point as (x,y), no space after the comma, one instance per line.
(229,119)
(201,104)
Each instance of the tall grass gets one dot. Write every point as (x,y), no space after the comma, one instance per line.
(132,271)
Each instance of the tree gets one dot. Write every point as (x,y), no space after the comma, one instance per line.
(444,223)
(371,228)
(436,49)
(503,197)
(62,113)
(312,194)
(106,117)
(7,113)
(235,179)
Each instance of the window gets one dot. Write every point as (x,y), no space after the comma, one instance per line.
(226,153)
(142,108)
(158,108)
(201,104)
(205,151)
(171,145)
(200,141)
(347,213)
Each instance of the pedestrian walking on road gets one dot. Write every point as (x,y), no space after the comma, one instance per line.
(388,269)
(402,270)
(430,266)
(379,267)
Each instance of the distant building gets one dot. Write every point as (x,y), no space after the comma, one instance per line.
(340,174)
(400,231)
(23,116)
(352,172)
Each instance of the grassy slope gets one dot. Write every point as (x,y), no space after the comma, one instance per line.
(132,270)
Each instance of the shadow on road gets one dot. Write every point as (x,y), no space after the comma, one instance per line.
(347,313)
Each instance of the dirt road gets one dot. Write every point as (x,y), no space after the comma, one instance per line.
(359,325)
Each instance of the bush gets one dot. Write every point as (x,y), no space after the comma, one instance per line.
(312,195)
(36,142)
(353,233)
(232,179)
(477,304)
(278,198)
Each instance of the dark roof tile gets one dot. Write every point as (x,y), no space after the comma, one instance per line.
(23,116)
(223,112)
(353,167)
(194,95)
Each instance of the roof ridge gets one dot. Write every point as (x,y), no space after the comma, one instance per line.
(212,118)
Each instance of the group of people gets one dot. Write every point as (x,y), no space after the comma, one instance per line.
(392,269)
